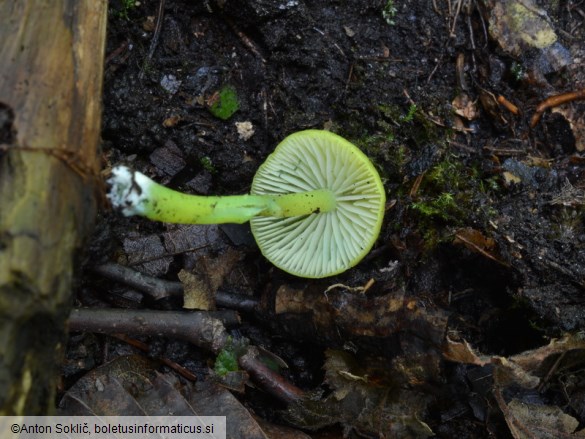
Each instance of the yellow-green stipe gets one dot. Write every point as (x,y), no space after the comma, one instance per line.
(136,194)
(166,205)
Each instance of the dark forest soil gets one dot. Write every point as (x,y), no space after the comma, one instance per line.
(485,219)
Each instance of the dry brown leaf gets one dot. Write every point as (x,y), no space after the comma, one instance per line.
(575,115)
(532,421)
(477,242)
(474,239)
(147,254)
(462,352)
(518,369)
(510,179)
(131,386)
(369,395)
(532,359)
(505,371)
(201,285)
(465,107)
(197,292)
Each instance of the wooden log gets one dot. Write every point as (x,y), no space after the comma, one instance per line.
(51,64)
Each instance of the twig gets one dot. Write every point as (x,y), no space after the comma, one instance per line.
(452,30)
(551,371)
(480,250)
(269,380)
(181,370)
(203,329)
(504,151)
(416,185)
(508,105)
(237,302)
(252,47)
(155,37)
(122,52)
(154,287)
(460,72)
(555,101)
(159,288)
(330,41)
(483,26)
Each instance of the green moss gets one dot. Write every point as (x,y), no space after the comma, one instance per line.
(389,12)
(447,192)
(225,103)
(409,116)
(207,164)
(125,6)
(226,361)
(452,194)
(443,206)
(411,125)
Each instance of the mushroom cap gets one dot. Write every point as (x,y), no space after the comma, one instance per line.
(320,244)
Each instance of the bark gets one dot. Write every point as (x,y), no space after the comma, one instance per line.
(51,64)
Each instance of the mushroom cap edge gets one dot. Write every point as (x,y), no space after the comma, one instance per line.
(322,244)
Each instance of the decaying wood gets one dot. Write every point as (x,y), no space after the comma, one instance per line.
(51,63)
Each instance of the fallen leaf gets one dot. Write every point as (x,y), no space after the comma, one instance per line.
(532,421)
(574,114)
(465,107)
(132,386)
(197,293)
(201,284)
(147,254)
(368,396)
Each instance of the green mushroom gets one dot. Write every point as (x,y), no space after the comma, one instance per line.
(316,204)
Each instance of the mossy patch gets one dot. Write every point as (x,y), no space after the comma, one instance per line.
(226,361)
(224,103)
(452,194)
(207,164)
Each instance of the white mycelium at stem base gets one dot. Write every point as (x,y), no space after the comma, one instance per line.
(316,206)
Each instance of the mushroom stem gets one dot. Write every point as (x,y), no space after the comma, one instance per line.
(136,194)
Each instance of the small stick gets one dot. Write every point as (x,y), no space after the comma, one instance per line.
(238,302)
(159,288)
(250,45)
(416,185)
(154,287)
(116,52)
(460,72)
(269,380)
(155,37)
(201,328)
(329,40)
(555,101)
(452,32)
(480,250)
(181,370)
(508,105)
